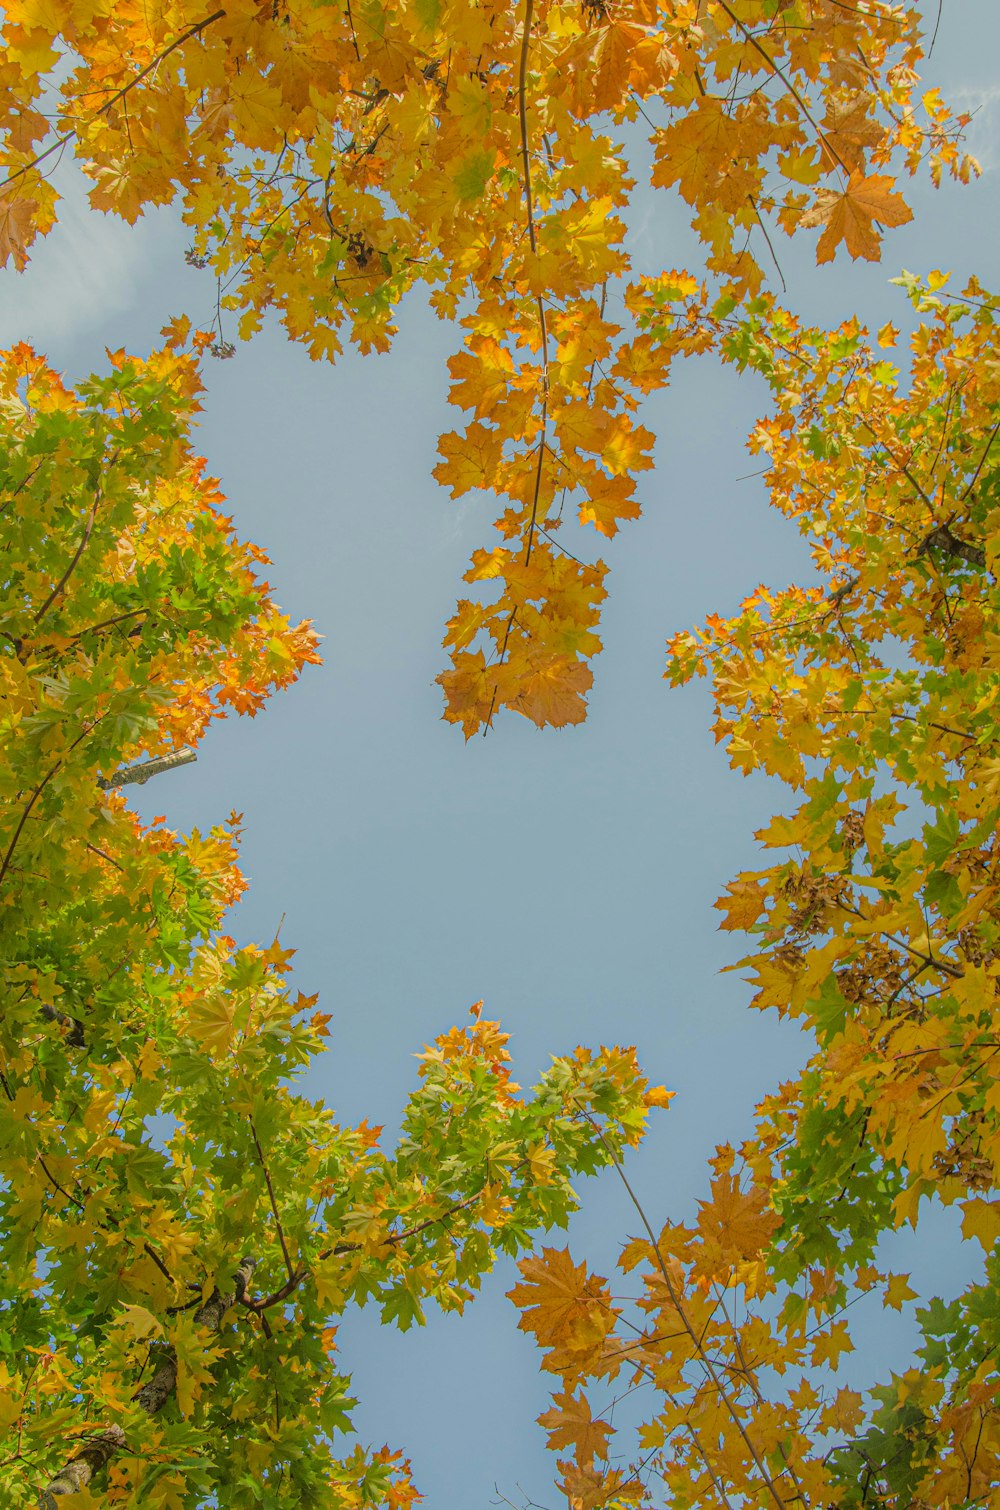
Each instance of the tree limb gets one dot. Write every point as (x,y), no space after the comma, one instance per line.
(78,1472)
(140,773)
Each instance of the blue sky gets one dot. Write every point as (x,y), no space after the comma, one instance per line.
(566,877)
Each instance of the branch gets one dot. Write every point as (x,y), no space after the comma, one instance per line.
(71,568)
(292,1272)
(675,1301)
(941,538)
(75,1036)
(75,1475)
(78,1472)
(982,461)
(789,86)
(25,815)
(296,1276)
(522,111)
(140,773)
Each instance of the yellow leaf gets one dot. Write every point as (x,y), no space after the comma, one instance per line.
(570,1424)
(897,1291)
(829,1345)
(470,460)
(743,906)
(981,1220)
(17,220)
(552,690)
(844,1413)
(140,1322)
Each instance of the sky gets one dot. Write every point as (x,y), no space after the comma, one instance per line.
(566,877)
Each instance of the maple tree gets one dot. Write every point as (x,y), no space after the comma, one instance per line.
(873,698)
(328,161)
(150,1129)
(329,158)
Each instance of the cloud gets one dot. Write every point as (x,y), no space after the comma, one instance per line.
(982,135)
(90,267)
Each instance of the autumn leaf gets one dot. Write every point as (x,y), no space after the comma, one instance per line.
(852,215)
(568,1310)
(569,1423)
(17,216)
(469,691)
(140,1322)
(470,460)
(743,906)
(898,1291)
(553,691)
(829,1345)
(736,1224)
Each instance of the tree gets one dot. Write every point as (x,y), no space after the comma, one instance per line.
(328,162)
(180,1228)
(873,698)
(329,159)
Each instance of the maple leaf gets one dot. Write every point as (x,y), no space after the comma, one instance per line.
(829,1345)
(850,129)
(587,1488)
(568,1310)
(746,901)
(569,1423)
(470,690)
(17,229)
(481,376)
(736,1224)
(898,1291)
(981,1220)
(118,187)
(470,460)
(552,690)
(851,216)
(845,1412)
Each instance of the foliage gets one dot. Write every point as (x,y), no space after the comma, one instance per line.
(329,158)
(150,1132)
(874,698)
(328,161)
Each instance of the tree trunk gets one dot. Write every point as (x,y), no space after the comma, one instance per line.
(77,1473)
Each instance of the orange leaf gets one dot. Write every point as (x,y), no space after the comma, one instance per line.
(851,217)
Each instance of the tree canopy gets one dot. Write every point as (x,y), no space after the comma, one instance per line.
(181,1227)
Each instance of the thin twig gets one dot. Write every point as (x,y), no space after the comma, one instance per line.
(274,1205)
(705,1360)
(788,85)
(25,815)
(522,111)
